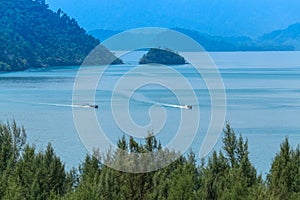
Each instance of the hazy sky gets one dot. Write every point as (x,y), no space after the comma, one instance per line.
(221,17)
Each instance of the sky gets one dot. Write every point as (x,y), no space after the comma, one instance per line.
(217,17)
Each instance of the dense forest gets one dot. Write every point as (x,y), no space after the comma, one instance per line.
(31,35)
(162,56)
(26,173)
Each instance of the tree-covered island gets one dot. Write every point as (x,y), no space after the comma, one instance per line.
(162,56)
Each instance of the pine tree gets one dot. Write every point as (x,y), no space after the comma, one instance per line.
(12,140)
(230,144)
(283,178)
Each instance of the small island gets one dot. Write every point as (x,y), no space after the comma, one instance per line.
(162,56)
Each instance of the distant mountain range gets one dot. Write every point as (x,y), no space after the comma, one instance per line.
(286,37)
(280,40)
(31,35)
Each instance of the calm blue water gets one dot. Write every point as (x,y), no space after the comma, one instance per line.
(263,103)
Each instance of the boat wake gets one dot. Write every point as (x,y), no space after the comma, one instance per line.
(188,107)
(71,105)
(141,98)
(60,105)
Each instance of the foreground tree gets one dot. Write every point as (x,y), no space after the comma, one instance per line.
(26,174)
(284,177)
(227,174)
(12,140)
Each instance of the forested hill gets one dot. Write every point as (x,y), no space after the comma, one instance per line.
(31,35)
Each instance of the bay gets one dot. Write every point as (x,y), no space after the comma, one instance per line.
(262,89)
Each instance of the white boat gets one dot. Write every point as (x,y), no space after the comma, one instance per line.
(94,106)
(189,107)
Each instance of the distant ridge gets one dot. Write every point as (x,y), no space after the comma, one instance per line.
(280,40)
(31,35)
(237,43)
(286,37)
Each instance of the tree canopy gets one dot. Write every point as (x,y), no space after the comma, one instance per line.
(26,173)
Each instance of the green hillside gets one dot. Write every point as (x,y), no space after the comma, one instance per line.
(31,35)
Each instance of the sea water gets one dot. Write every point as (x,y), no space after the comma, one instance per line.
(262,90)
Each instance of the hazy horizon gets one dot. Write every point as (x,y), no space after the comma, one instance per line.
(226,18)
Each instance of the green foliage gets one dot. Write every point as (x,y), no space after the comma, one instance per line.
(24,173)
(161,56)
(230,176)
(31,35)
(284,177)
(227,174)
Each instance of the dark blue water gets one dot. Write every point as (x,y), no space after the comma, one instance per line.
(263,103)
